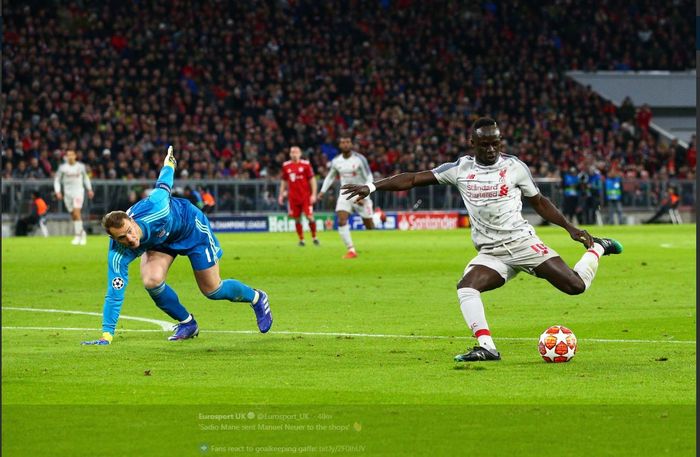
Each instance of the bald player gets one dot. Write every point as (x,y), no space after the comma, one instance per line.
(298,184)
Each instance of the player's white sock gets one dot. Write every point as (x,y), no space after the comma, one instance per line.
(78,227)
(588,265)
(473,312)
(344,232)
(44,229)
(377,219)
(189,318)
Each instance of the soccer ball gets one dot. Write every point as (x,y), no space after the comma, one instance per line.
(557,344)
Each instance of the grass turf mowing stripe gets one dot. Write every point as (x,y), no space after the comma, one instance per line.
(357,335)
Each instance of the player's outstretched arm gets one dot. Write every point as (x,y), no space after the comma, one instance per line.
(117,279)
(402,181)
(167,173)
(170,158)
(550,213)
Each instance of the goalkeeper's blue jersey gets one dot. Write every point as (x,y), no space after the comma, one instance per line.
(171,225)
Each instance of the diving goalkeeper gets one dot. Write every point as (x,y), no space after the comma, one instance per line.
(159,228)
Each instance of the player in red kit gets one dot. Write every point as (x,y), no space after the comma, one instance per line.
(298,177)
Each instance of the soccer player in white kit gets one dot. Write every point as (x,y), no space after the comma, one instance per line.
(72,175)
(491,184)
(352,167)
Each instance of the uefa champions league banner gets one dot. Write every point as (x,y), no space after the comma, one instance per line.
(239,223)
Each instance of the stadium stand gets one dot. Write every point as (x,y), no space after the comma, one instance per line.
(231,84)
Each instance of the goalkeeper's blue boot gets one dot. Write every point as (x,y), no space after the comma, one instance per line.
(610,246)
(262,311)
(185,331)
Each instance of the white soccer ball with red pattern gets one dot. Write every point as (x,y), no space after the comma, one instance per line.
(557,344)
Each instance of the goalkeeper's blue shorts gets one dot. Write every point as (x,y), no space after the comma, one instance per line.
(198,242)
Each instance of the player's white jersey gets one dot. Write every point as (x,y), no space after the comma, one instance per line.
(353,170)
(492,195)
(72,177)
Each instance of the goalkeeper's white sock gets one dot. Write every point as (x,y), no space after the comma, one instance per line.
(78,228)
(588,265)
(344,232)
(473,312)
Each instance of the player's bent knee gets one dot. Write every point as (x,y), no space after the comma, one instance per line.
(151,281)
(209,286)
(575,286)
(467,284)
(579,289)
(208,290)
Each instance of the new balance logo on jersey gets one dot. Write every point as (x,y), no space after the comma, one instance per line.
(471,176)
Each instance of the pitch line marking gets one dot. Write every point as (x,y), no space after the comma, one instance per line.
(168,326)
(163,324)
(359,335)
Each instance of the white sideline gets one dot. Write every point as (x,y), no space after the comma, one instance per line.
(163,324)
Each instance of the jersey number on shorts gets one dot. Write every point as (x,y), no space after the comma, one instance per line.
(540,248)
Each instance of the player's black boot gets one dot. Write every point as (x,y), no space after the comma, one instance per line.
(478,354)
(609,245)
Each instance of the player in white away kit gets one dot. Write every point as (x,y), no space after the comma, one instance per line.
(491,185)
(74,178)
(352,167)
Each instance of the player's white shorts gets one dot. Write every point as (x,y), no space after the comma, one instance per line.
(73,200)
(509,259)
(364,210)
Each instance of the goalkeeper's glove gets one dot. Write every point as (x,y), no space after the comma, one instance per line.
(104,341)
(170,159)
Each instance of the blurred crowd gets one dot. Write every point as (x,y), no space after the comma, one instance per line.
(233,84)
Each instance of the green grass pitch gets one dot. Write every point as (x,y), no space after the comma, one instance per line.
(359,358)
